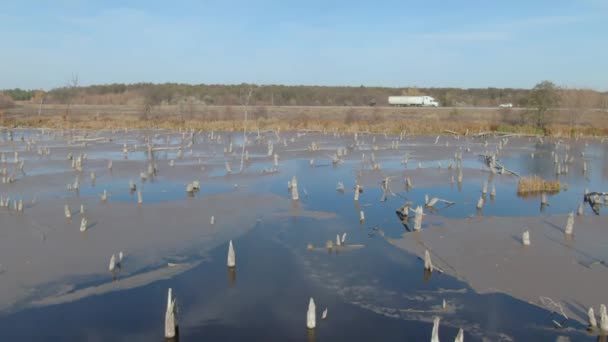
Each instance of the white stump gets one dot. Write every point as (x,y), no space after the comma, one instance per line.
(112,265)
(480,203)
(83,224)
(459,336)
(569,224)
(543,200)
(435,333)
(592,321)
(295,195)
(525,238)
(311,315)
(418,218)
(231,260)
(428,264)
(170,316)
(603,319)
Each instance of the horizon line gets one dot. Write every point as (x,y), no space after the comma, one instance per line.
(262,85)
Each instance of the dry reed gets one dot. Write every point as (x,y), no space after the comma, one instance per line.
(532,184)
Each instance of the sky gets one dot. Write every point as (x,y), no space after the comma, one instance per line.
(435,43)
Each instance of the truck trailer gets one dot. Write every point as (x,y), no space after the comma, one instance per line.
(412,101)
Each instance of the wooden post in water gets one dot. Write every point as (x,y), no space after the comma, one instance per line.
(435,332)
(170,316)
(569,224)
(543,200)
(459,336)
(592,321)
(418,218)
(83,224)
(112,265)
(525,238)
(480,203)
(295,195)
(428,264)
(311,315)
(603,319)
(231,260)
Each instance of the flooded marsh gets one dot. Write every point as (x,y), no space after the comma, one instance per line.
(171,202)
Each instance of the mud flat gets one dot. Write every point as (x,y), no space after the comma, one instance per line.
(42,249)
(488,254)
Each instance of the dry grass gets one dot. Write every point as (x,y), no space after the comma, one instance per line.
(344,119)
(533,184)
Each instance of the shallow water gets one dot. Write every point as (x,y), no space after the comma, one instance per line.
(372,292)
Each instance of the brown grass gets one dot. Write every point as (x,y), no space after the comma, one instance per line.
(345,119)
(534,184)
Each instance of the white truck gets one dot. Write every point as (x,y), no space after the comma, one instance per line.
(415,101)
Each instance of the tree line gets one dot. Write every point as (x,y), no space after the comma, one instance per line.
(148,94)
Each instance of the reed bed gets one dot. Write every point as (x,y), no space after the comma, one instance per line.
(535,184)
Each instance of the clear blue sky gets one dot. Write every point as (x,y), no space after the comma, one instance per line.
(483,43)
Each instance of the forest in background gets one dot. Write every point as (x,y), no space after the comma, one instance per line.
(282,95)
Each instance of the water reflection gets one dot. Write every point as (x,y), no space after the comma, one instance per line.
(311,335)
(231,276)
(427,275)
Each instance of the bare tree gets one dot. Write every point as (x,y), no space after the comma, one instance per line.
(245,104)
(39,97)
(70,94)
(152,98)
(571,103)
(543,97)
